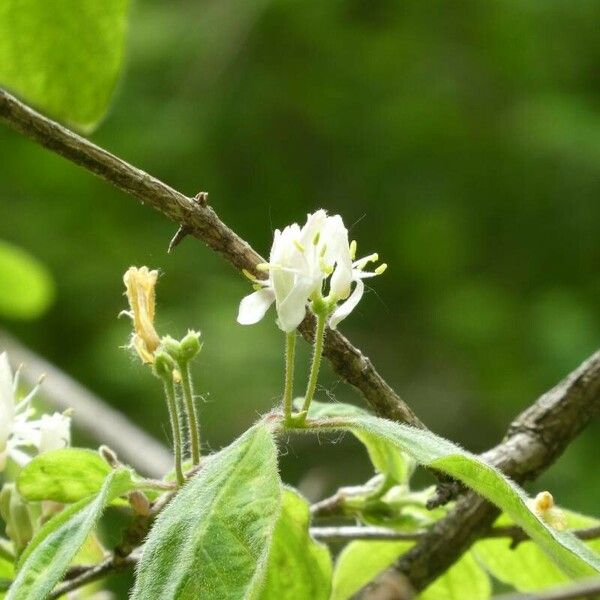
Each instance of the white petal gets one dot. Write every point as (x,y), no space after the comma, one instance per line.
(55,432)
(292,310)
(253,307)
(344,309)
(314,224)
(7,400)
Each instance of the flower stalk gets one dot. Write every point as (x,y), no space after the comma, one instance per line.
(163,368)
(191,412)
(322,313)
(288,392)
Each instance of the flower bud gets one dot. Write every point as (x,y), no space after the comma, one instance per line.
(543,506)
(139,503)
(110,456)
(184,350)
(16,515)
(163,365)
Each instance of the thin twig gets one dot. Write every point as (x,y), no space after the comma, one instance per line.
(348,533)
(110,565)
(92,414)
(201,221)
(589,588)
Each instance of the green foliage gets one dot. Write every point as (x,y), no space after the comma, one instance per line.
(361,561)
(213,538)
(298,567)
(26,288)
(55,545)
(569,553)
(525,567)
(65,475)
(63,57)
(396,465)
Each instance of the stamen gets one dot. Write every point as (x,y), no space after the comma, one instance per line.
(263,266)
(316,238)
(327,269)
(323,250)
(299,246)
(353,247)
(381,268)
(248,275)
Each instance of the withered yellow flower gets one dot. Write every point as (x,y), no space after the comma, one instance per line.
(139,287)
(543,506)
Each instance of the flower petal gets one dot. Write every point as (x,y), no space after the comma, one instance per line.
(55,432)
(253,307)
(292,310)
(344,309)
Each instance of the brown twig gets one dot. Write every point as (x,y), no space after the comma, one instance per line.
(535,439)
(199,220)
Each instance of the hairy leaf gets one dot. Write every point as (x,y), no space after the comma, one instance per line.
(63,57)
(298,567)
(525,567)
(569,553)
(386,457)
(212,540)
(26,288)
(51,551)
(65,475)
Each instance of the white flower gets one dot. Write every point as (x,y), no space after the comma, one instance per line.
(300,262)
(18,430)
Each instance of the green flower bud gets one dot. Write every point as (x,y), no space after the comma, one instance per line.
(183,351)
(191,345)
(164,365)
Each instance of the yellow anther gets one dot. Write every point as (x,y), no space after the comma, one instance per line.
(299,246)
(327,269)
(263,267)
(323,250)
(317,238)
(353,247)
(381,268)
(248,275)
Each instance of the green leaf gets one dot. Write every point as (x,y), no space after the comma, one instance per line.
(212,540)
(51,551)
(63,57)
(26,288)
(526,567)
(464,579)
(298,567)
(569,553)
(361,561)
(386,458)
(65,475)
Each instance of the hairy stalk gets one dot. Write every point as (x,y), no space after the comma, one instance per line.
(316,362)
(190,409)
(175,427)
(288,392)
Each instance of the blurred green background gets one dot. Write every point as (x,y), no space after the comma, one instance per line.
(460,140)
